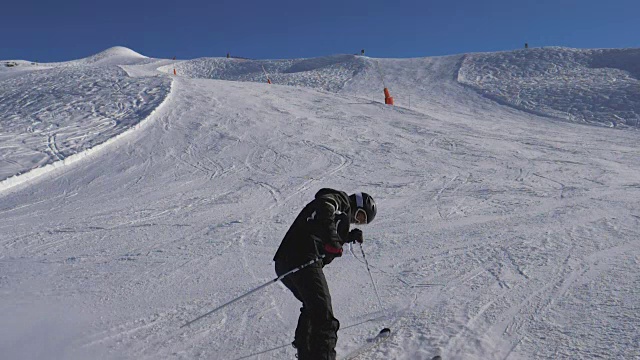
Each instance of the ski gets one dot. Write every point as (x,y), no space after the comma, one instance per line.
(374,342)
(382,337)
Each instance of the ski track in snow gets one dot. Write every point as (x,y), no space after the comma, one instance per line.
(48,115)
(502,234)
(592,86)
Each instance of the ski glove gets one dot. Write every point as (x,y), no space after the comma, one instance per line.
(355,235)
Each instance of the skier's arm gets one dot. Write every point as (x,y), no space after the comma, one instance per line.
(327,212)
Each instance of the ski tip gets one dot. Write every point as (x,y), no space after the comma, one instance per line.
(385,331)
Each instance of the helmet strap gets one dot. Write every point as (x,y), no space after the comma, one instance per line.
(359,200)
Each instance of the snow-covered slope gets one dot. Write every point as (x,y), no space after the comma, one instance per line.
(13,68)
(592,86)
(598,87)
(52,111)
(501,234)
(117,55)
(327,73)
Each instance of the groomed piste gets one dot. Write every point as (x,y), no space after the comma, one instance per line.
(136,194)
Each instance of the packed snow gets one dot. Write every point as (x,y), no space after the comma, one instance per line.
(508,225)
(50,115)
(327,73)
(592,86)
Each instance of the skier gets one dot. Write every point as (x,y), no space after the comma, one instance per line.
(322,227)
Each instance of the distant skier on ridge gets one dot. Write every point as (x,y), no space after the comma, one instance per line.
(322,227)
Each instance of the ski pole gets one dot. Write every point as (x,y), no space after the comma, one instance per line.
(371,277)
(311,262)
(386,330)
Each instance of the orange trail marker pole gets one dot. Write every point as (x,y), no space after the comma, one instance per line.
(387,97)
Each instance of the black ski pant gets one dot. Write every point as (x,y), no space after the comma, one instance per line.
(317,331)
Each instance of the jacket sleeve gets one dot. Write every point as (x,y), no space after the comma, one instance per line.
(328,217)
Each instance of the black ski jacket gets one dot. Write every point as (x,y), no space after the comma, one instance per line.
(322,227)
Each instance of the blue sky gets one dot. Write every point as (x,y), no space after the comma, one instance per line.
(274,29)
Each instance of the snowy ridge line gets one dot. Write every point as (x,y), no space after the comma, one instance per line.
(328,73)
(24,178)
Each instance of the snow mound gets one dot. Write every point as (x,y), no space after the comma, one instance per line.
(597,86)
(328,73)
(117,55)
(116,52)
